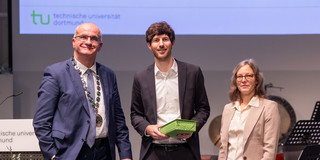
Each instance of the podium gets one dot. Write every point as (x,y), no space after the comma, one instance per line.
(18,140)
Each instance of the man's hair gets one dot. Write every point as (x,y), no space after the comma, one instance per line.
(160,28)
(76,30)
(234,93)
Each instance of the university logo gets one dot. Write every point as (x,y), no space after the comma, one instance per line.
(37,17)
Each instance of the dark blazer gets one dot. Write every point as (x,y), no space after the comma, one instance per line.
(261,131)
(193,103)
(62,117)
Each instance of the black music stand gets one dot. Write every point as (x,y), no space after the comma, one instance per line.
(311,153)
(316,112)
(304,133)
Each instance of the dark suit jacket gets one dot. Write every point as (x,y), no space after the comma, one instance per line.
(62,117)
(193,102)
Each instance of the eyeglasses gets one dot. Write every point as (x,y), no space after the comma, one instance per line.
(85,38)
(247,77)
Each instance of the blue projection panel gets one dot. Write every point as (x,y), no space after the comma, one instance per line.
(187,17)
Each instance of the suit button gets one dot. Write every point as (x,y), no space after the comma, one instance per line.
(88,121)
(82,140)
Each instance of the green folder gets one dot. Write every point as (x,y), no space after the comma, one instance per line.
(178,126)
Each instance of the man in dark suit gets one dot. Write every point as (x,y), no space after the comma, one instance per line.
(79,114)
(168,89)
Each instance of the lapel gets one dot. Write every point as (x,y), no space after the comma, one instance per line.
(227,119)
(252,120)
(106,88)
(152,92)
(182,76)
(76,82)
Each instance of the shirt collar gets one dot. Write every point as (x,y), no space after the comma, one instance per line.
(174,68)
(254,102)
(83,68)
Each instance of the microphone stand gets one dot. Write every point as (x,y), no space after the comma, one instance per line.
(17,94)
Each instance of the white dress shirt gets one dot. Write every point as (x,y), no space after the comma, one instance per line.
(236,129)
(167,96)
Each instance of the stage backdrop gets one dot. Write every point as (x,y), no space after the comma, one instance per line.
(288,61)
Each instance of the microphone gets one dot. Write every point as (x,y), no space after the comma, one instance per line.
(14,95)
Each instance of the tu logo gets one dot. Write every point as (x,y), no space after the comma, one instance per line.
(34,16)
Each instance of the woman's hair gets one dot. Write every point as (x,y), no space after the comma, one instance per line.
(234,93)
